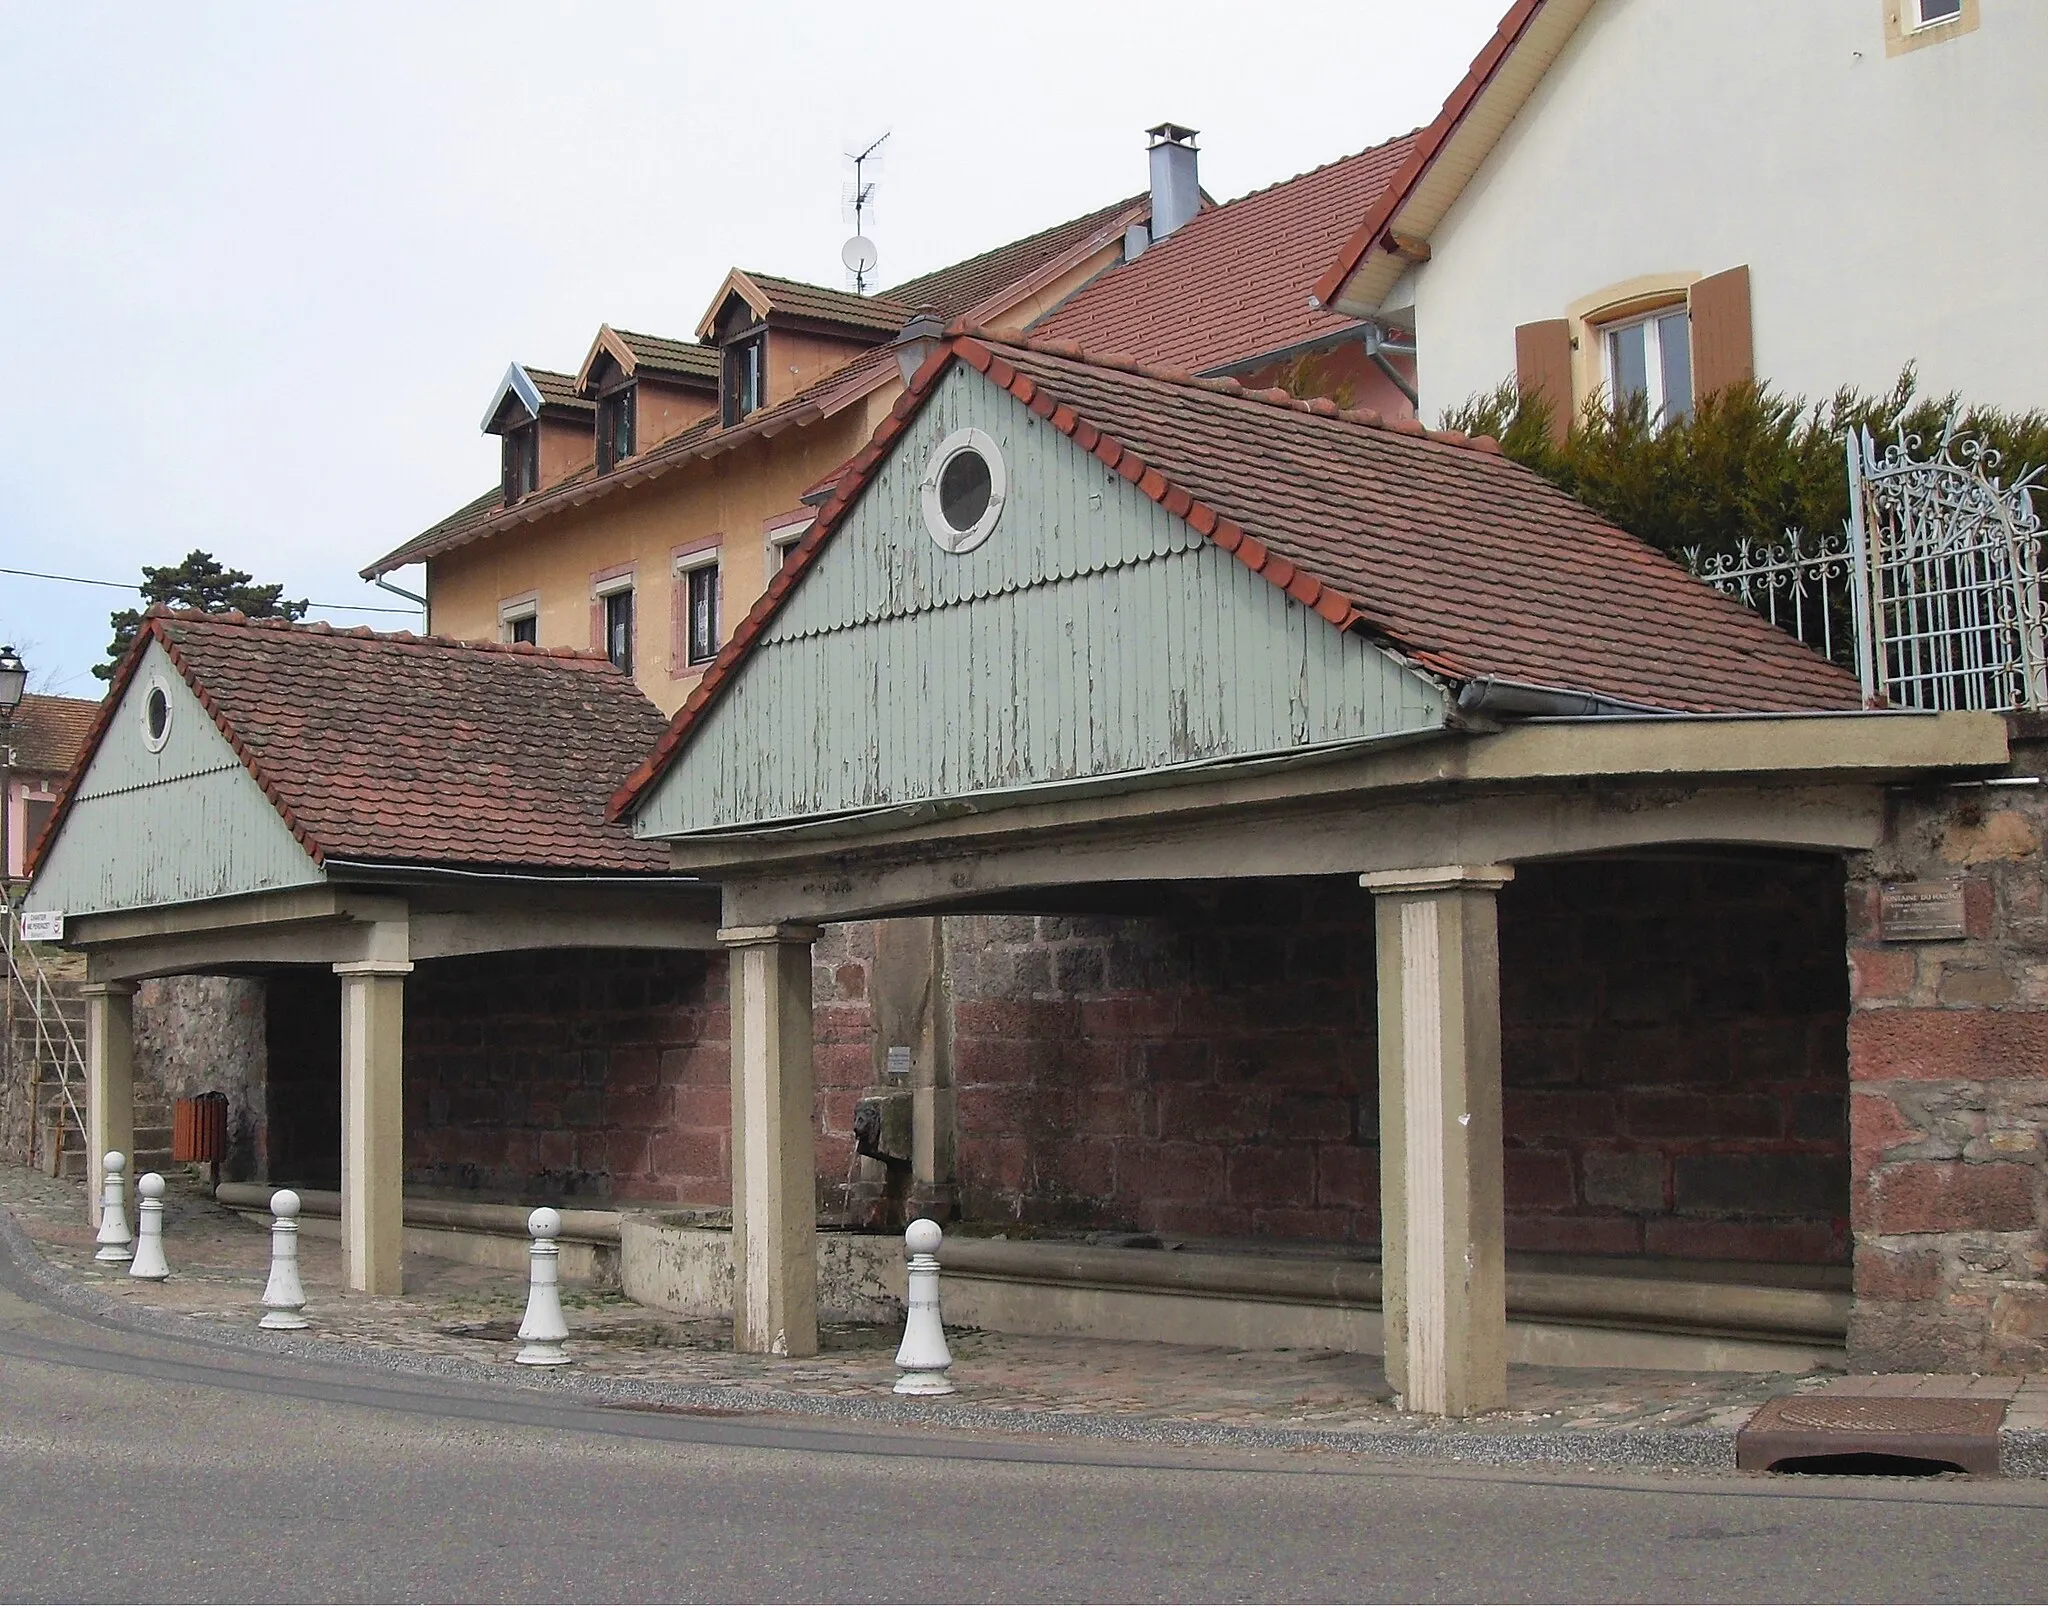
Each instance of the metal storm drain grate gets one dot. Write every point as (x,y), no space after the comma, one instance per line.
(1858,1433)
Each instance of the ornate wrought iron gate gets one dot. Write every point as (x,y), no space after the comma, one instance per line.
(1948,577)
(1933,590)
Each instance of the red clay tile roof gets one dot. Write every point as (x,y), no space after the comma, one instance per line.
(1428,541)
(416,750)
(960,290)
(1233,281)
(49,733)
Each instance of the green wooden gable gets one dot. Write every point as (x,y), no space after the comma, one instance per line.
(175,825)
(1092,635)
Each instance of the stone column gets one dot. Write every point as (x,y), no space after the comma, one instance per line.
(109,1081)
(373,1125)
(774,1146)
(1442,1229)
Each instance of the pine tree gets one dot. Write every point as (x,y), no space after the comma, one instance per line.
(198,582)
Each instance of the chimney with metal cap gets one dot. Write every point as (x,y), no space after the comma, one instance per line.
(1176,190)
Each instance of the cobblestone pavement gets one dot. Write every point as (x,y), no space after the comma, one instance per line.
(450,1310)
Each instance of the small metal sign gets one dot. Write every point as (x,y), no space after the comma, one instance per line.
(41,925)
(1921,911)
(899,1063)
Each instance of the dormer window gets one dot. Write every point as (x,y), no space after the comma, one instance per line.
(615,441)
(744,388)
(520,454)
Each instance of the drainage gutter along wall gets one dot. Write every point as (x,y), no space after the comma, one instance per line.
(475,1234)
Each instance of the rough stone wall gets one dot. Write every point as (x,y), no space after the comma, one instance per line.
(1948,1051)
(593,1076)
(1673,1062)
(844,1064)
(206,1034)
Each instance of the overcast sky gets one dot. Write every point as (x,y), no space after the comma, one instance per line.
(262,265)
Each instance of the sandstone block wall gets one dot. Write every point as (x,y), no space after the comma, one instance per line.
(595,1076)
(1674,1061)
(1673,1058)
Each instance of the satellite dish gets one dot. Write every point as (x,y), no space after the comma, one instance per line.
(859,255)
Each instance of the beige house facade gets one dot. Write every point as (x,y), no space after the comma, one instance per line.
(1660,196)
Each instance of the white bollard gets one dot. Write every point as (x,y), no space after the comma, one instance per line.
(115,1240)
(923,1358)
(284,1296)
(544,1327)
(149,1263)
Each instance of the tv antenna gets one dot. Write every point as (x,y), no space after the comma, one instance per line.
(859,254)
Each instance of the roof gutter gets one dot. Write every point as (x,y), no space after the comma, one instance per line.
(380,870)
(1491,698)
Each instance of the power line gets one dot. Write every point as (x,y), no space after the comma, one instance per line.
(121,585)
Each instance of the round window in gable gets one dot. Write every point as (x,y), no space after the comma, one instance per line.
(963,487)
(156,715)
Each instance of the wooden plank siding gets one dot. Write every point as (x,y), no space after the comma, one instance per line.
(1092,635)
(174,826)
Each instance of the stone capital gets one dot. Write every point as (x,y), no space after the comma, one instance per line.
(1438,878)
(766,936)
(374,967)
(108,989)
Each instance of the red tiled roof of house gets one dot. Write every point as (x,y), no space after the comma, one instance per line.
(952,291)
(956,291)
(822,304)
(1232,283)
(416,749)
(1429,541)
(705,438)
(661,355)
(48,733)
(558,390)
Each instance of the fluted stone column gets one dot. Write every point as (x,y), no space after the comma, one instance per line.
(373,1125)
(774,1148)
(1442,1230)
(109,1080)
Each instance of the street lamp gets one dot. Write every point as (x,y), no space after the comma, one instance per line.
(13,683)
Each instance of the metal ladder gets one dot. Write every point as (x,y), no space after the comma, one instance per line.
(45,1034)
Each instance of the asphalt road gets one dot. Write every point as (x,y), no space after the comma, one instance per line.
(134,1467)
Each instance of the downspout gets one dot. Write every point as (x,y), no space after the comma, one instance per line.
(1377,345)
(426,613)
(383,584)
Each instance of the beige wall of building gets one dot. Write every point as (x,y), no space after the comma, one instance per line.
(729,502)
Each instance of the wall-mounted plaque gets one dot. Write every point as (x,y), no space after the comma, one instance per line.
(1921,911)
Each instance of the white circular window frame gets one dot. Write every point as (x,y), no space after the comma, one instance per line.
(150,739)
(943,534)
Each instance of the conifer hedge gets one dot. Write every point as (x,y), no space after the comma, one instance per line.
(1747,462)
